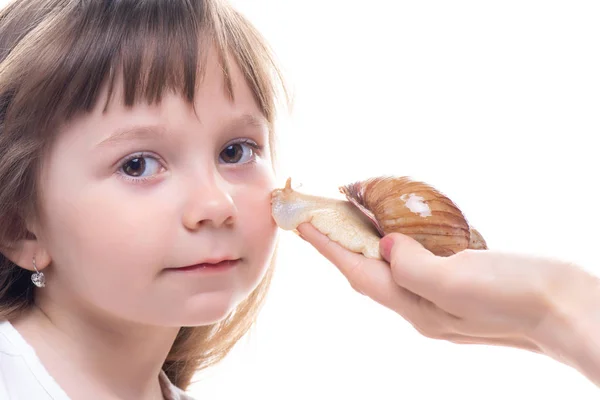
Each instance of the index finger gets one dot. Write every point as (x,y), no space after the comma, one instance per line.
(370,277)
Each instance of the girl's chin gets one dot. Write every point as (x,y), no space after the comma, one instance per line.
(204,315)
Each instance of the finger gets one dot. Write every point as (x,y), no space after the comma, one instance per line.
(370,277)
(414,267)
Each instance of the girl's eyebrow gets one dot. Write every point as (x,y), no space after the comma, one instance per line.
(158,131)
(133,133)
(248,120)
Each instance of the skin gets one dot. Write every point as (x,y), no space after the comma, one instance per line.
(480,297)
(110,310)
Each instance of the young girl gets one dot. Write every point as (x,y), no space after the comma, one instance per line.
(136,166)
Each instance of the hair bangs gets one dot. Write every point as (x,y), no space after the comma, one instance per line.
(162,45)
(151,47)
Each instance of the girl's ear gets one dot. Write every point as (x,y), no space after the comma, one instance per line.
(23,251)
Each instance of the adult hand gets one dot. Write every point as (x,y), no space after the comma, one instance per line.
(472,297)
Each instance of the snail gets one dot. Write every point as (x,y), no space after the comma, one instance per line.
(376,207)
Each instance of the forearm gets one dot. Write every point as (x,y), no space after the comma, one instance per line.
(571,331)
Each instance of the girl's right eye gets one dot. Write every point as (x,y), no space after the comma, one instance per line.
(141,167)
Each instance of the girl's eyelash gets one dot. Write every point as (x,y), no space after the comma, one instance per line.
(249,142)
(131,157)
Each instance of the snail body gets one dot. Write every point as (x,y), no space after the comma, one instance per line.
(376,207)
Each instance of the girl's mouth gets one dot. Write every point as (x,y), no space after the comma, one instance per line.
(211,265)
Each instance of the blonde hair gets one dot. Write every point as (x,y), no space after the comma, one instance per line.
(55,58)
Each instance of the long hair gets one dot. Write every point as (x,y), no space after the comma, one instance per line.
(55,58)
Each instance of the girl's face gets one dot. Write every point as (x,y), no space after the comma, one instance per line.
(132,196)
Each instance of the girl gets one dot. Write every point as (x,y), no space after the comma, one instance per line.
(136,165)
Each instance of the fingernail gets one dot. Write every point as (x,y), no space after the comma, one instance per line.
(385,247)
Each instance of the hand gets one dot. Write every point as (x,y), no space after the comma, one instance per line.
(473,297)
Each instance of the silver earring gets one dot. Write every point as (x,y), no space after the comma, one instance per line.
(38,277)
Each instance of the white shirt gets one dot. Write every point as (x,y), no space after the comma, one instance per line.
(23,376)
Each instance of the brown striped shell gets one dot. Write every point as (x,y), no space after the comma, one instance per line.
(416,209)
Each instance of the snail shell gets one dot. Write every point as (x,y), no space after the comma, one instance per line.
(416,209)
(376,207)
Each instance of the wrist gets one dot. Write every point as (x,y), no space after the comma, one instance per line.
(569,331)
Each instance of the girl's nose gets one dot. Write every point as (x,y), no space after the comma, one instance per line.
(210,203)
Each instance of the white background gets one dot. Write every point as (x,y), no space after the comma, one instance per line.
(496,104)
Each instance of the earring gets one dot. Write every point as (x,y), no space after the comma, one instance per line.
(38,277)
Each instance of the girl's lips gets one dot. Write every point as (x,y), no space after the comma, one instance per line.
(220,265)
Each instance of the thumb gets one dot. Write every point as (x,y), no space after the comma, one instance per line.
(413,266)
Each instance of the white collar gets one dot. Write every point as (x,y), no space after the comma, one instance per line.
(170,391)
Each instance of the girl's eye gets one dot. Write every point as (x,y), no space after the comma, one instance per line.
(141,166)
(239,153)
